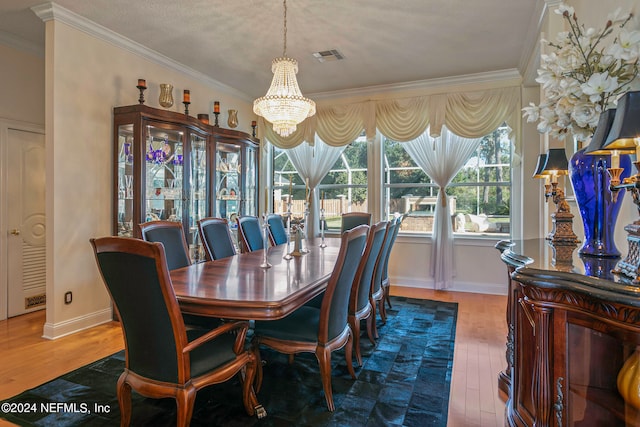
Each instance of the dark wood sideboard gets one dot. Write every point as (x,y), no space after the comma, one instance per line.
(571,326)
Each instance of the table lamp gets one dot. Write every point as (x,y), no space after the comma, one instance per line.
(555,165)
(624,136)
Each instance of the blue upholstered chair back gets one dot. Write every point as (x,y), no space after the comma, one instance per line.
(136,276)
(171,235)
(353,219)
(250,233)
(379,270)
(216,238)
(385,265)
(277,231)
(375,242)
(341,281)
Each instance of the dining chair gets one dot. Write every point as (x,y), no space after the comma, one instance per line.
(162,358)
(250,234)
(319,331)
(172,237)
(353,219)
(359,304)
(216,238)
(385,274)
(277,230)
(377,291)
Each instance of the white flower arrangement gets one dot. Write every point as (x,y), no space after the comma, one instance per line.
(581,78)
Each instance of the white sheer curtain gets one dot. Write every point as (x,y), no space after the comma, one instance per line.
(441,158)
(313,163)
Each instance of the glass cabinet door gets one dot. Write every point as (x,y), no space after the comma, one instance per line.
(249,189)
(198,201)
(125,182)
(228,180)
(163,170)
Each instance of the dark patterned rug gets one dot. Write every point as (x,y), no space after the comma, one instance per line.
(404,381)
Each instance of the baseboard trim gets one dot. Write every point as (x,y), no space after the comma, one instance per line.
(54,331)
(473,287)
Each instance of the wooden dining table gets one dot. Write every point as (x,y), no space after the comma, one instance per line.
(237,287)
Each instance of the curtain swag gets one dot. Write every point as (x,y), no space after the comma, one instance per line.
(467,114)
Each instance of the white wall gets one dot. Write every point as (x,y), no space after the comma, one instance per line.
(21,85)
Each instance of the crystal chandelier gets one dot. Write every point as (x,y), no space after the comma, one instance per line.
(283,105)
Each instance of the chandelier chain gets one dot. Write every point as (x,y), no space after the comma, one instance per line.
(284,52)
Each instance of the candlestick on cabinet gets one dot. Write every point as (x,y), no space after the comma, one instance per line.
(253,128)
(142,86)
(186,100)
(216,111)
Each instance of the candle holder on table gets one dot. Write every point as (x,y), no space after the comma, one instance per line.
(296,228)
(265,242)
(287,255)
(322,243)
(305,247)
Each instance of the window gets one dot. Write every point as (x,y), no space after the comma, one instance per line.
(345,186)
(479,195)
(343,189)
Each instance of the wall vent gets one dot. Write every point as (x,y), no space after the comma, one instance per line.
(328,55)
(35,301)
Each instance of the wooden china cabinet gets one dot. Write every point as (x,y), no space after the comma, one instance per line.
(572,325)
(170,166)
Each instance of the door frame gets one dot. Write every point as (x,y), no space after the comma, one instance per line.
(5,126)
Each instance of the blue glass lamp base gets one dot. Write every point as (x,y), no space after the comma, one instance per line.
(598,210)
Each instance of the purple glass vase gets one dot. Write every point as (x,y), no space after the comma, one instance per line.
(590,180)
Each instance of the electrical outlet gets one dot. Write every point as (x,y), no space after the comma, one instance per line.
(68,297)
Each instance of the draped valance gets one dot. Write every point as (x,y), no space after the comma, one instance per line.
(470,114)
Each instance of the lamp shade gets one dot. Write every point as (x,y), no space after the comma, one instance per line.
(626,125)
(599,138)
(557,163)
(542,159)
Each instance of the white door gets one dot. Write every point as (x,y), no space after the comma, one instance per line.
(25,222)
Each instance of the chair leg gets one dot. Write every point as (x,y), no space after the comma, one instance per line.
(370,324)
(348,355)
(124,400)
(355,327)
(383,311)
(185,400)
(373,315)
(324,361)
(387,297)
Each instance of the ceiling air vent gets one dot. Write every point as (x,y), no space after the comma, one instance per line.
(328,55)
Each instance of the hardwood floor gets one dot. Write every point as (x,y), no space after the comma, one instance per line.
(29,360)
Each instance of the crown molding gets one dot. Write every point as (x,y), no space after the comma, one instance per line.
(502,77)
(21,44)
(53,11)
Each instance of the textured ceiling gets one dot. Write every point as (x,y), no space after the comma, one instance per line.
(383,42)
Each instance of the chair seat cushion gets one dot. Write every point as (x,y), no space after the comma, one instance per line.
(301,325)
(211,354)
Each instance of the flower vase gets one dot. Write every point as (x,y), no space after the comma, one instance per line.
(598,208)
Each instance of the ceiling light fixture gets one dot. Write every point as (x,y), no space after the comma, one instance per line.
(284,105)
